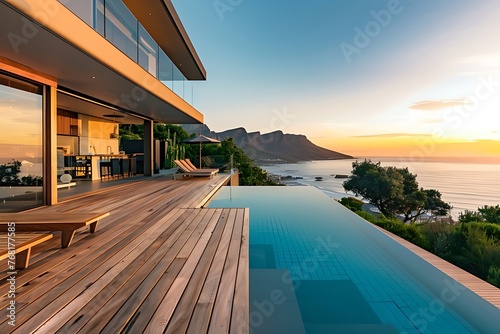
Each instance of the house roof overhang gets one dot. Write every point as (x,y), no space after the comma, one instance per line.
(52,40)
(160,19)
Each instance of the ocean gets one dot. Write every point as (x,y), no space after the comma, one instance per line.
(464,185)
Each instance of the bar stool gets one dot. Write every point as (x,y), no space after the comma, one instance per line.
(132,166)
(115,168)
(124,167)
(105,168)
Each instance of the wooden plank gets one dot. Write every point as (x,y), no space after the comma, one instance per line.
(164,285)
(179,321)
(240,317)
(116,230)
(125,283)
(203,201)
(120,204)
(203,308)
(162,315)
(113,281)
(64,292)
(75,255)
(221,315)
(85,294)
(128,299)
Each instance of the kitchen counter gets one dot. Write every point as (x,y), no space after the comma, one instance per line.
(91,166)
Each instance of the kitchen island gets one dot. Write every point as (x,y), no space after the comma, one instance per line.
(96,166)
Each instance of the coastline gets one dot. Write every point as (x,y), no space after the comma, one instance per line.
(466,186)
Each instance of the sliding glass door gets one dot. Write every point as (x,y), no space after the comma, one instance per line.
(21,160)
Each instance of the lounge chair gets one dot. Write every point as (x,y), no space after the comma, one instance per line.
(67,223)
(188,172)
(194,168)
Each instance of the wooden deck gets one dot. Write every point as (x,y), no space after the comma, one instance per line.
(159,263)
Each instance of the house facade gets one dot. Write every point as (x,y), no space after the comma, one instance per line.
(71,71)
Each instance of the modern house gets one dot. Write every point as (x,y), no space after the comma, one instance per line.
(189,255)
(70,72)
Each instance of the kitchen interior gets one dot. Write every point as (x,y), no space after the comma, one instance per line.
(88,148)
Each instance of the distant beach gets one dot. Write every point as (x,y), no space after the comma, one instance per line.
(466,186)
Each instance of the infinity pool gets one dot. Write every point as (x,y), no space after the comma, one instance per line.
(315,267)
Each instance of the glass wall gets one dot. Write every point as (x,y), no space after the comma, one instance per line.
(21,160)
(166,70)
(113,20)
(120,27)
(148,52)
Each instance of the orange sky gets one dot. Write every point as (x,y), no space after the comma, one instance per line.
(417,146)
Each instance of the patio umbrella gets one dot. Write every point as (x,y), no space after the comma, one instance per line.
(201,139)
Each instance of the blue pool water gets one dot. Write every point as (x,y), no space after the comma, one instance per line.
(315,267)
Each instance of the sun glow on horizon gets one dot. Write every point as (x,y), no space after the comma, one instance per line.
(412,146)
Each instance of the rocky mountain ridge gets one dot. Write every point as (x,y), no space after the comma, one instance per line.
(272,147)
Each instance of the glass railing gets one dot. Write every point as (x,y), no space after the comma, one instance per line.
(114,21)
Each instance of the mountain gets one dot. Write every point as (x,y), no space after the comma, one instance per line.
(273,146)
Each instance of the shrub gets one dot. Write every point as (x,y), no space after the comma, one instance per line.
(352,203)
(472,246)
(410,232)
(366,216)
(474,251)
(494,275)
(492,230)
(439,237)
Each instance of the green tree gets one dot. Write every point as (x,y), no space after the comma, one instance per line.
(9,173)
(9,176)
(435,204)
(131,131)
(162,131)
(487,213)
(491,213)
(470,216)
(394,191)
(250,174)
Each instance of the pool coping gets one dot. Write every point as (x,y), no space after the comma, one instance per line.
(482,288)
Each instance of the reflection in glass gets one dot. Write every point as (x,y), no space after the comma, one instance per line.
(81,8)
(178,82)
(113,20)
(148,52)
(166,70)
(121,28)
(21,161)
(99,17)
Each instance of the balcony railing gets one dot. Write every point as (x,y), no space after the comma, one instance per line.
(114,21)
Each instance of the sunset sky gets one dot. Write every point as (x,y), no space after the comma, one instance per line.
(367,77)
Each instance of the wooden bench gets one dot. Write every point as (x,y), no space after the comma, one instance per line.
(21,243)
(67,223)
(66,185)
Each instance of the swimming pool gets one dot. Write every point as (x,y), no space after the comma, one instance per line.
(315,267)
